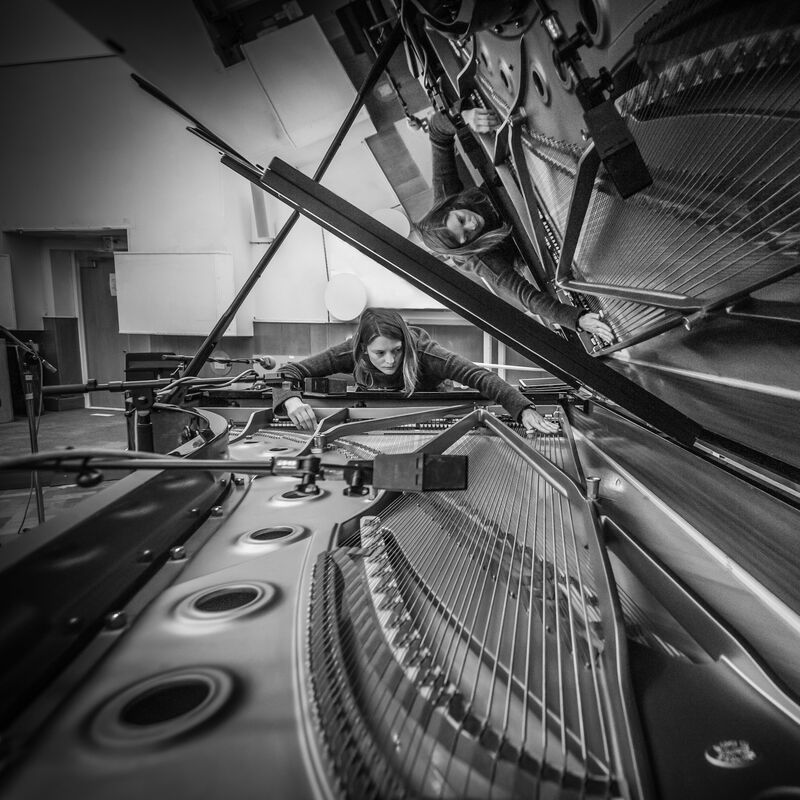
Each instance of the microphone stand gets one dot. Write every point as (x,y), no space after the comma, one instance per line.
(25,363)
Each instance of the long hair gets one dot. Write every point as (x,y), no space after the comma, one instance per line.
(375,322)
(436,236)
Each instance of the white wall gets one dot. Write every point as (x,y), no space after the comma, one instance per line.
(65,291)
(31,280)
(86,148)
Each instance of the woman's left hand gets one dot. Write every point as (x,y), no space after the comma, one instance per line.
(591,323)
(533,420)
(480,120)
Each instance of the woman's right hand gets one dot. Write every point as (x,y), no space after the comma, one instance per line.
(591,323)
(534,421)
(480,120)
(301,414)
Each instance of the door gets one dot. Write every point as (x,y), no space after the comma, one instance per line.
(105,346)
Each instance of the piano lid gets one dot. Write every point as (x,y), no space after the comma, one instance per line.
(648,160)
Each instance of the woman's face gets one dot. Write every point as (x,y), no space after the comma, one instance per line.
(464,225)
(385,354)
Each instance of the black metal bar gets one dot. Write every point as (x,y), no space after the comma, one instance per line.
(773,310)
(578,205)
(470,300)
(211,341)
(528,192)
(633,294)
(670,300)
(33,425)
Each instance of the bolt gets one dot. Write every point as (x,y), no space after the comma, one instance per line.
(216,511)
(319,443)
(116,620)
(239,480)
(145,556)
(177,553)
(592,487)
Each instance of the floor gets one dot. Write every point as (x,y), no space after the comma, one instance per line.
(85,427)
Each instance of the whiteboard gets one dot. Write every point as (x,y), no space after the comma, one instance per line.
(173,293)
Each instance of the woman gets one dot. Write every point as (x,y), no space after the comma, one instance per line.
(387,354)
(464,226)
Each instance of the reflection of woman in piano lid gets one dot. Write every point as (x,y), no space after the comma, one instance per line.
(387,354)
(464,226)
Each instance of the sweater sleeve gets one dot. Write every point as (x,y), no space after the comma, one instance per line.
(445,177)
(444,364)
(338,358)
(502,279)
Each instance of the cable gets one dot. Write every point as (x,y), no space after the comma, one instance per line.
(36,433)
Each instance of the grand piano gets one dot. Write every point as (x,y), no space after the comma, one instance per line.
(611,611)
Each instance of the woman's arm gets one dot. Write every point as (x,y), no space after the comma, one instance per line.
(509,285)
(445,178)
(444,364)
(338,358)
(442,133)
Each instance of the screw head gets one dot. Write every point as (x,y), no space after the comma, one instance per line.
(116,620)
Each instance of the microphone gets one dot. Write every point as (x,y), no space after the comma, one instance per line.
(28,348)
(419,472)
(268,363)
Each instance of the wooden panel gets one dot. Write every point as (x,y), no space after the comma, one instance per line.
(6,409)
(62,345)
(8,315)
(105,346)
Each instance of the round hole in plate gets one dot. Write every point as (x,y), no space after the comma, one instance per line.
(225,602)
(277,449)
(164,703)
(540,85)
(595,17)
(162,707)
(271,534)
(295,496)
(507,82)
(220,601)
(275,536)
(591,18)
